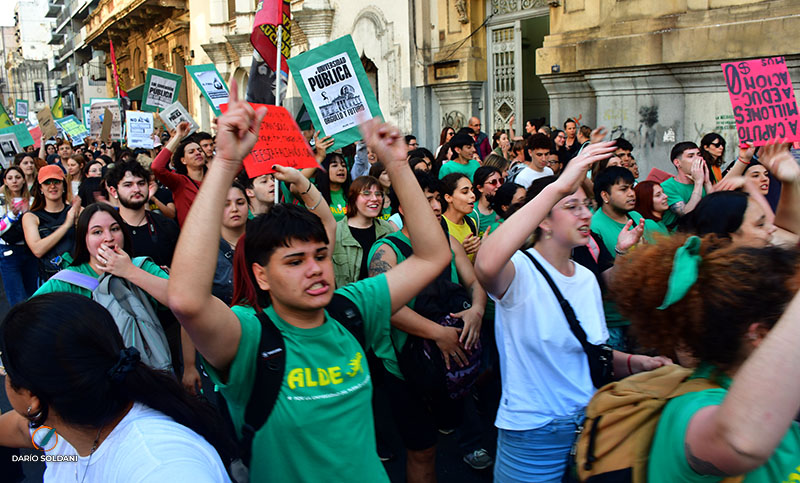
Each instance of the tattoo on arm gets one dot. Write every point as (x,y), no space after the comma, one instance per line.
(377,265)
(701,466)
(677,208)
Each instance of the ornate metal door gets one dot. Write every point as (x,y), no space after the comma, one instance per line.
(505,75)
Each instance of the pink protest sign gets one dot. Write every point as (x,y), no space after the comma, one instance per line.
(764,105)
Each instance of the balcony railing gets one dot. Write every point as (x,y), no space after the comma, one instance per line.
(53,9)
(56,39)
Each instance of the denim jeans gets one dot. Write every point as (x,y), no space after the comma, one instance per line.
(536,455)
(20,272)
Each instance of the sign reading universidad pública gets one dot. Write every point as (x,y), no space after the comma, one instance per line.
(161,88)
(335,90)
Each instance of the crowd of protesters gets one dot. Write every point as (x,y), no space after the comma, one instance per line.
(286,301)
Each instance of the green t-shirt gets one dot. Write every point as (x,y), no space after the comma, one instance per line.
(668,455)
(52,285)
(609,228)
(676,192)
(456,167)
(321,428)
(338,204)
(484,221)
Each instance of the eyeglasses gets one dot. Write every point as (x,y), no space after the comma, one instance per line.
(496,182)
(576,208)
(370,194)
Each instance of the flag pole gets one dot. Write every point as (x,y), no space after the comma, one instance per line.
(278,45)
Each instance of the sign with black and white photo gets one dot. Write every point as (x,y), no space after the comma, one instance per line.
(175,114)
(335,90)
(211,85)
(9,147)
(161,88)
(21,109)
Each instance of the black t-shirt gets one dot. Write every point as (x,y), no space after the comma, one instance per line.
(583,256)
(155,239)
(366,238)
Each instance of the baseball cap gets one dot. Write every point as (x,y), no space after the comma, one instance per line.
(50,172)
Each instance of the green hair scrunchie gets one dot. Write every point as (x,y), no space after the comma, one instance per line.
(685,267)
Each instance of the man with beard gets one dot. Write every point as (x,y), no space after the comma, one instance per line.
(152,235)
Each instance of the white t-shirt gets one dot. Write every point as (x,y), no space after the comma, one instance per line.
(146,446)
(528,176)
(543,367)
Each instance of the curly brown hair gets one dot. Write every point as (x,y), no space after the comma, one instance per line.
(736,287)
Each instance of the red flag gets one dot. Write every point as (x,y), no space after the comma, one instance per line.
(117,83)
(265,32)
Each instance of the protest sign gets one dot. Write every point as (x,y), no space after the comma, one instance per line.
(74,128)
(86,108)
(21,109)
(265,32)
(764,104)
(97,116)
(211,85)
(9,147)
(46,123)
(161,88)
(175,114)
(20,131)
(105,126)
(335,90)
(36,134)
(139,128)
(280,142)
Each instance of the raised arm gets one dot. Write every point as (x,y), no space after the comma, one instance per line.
(211,324)
(30,227)
(159,165)
(302,187)
(431,251)
(42,148)
(742,433)
(473,317)
(492,265)
(780,162)
(745,156)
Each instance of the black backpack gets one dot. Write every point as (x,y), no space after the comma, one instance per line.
(420,360)
(271,367)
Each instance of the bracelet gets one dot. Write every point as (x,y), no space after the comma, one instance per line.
(318,202)
(630,369)
(307,189)
(742,160)
(620,252)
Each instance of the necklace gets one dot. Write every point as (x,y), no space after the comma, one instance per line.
(89,461)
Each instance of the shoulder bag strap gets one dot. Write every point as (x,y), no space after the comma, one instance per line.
(574,325)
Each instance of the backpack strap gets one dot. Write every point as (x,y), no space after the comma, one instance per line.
(471,224)
(270,369)
(86,282)
(271,366)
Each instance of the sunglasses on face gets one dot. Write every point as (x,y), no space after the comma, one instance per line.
(716,144)
(496,182)
(51,181)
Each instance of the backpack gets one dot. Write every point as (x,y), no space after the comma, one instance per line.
(621,420)
(514,172)
(271,367)
(420,360)
(132,311)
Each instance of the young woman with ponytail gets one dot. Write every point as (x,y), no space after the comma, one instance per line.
(320,428)
(735,309)
(68,370)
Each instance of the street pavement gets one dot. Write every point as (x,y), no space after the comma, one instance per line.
(449,464)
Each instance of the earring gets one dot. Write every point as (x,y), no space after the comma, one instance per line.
(548,234)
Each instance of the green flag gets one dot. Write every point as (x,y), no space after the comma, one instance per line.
(58,108)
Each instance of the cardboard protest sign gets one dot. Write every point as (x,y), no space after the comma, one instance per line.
(36,134)
(764,104)
(74,128)
(46,123)
(335,90)
(161,88)
(265,32)
(139,129)
(97,116)
(20,131)
(105,126)
(21,109)
(211,85)
(175,114)
(9,147)
(280,142)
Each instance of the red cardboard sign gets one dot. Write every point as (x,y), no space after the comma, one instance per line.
(36,134)
(280,141)
(764,104)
